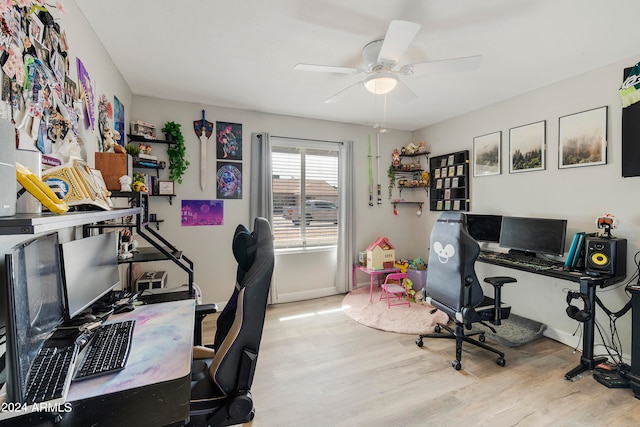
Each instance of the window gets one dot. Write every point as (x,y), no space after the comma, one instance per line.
(305,187)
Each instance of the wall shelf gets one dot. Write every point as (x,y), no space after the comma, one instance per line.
(138,138)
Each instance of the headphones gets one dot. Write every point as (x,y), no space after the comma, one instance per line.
(574,312)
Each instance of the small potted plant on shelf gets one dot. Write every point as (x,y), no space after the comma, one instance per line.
(177,162)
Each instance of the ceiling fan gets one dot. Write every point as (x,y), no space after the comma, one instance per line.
(381,58)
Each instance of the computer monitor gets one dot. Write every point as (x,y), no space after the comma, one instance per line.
(90,270)
(484,228)
(534,235)
(33,306)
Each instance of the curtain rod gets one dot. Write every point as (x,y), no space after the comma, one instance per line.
(307,139)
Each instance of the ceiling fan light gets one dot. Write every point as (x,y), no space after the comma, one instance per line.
(379,84)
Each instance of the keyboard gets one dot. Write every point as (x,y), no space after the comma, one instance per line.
(108,350)
(50,374)
(521,260)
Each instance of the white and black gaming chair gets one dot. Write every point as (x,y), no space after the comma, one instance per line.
(220,385)
(452,286)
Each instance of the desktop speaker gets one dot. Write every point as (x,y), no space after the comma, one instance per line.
(8,195)
(607,257)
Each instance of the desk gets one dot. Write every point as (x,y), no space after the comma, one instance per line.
(588,285)
(153,389)
(372,274)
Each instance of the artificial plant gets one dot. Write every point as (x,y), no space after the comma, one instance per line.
(391,173)
(177,162)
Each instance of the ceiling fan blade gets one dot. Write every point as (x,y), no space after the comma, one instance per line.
(399,36)
(467,63)
(325,69)
(403,94)
(340,95)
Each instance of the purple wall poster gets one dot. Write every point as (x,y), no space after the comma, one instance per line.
(202,212)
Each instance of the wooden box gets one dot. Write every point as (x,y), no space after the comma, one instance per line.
(113,166)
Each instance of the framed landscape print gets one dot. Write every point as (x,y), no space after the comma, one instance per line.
(582,139)
(486,154)
(527,147)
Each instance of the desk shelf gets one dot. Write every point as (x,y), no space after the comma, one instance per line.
(47,221)
(148,254)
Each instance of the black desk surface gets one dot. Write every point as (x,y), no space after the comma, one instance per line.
(557,272)
(153,389)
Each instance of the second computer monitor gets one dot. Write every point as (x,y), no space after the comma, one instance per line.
(484,228)
(90,270)
(534,235)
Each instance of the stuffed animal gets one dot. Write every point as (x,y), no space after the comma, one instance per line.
(109,141)
(411,148)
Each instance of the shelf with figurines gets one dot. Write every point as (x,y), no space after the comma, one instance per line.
(408,174)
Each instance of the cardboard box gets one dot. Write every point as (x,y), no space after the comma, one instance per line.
(380,254)
(112,166)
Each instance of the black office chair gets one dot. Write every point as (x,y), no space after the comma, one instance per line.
(220,386)
(452,286)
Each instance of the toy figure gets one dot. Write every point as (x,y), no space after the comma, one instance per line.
(109,141)
(396,157)
(139,186)
(125,183)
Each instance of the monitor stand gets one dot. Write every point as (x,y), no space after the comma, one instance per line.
(520,253)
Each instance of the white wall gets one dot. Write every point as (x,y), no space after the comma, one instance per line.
(576,194)
(210,247)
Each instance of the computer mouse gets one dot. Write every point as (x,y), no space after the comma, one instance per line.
(123,308)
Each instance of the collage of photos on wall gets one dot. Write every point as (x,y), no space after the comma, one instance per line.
(229,160)
(38,94)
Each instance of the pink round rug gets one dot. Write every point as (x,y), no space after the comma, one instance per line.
(402,319)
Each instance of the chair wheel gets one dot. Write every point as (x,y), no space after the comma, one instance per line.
(481,338)
(437,329)
(419,342)
(500,361)
(456,365)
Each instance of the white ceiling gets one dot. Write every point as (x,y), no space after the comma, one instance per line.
(241,53)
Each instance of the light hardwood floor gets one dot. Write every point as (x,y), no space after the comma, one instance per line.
(323,369)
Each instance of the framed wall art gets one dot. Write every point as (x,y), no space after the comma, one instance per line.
(582,139)
(229,141)
(527,146)
(486,154)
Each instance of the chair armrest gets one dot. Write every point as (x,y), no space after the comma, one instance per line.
(497,282)
(202,310)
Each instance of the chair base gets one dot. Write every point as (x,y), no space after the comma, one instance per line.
(459,335)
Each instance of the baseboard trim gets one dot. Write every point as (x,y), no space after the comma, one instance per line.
(575,342)
(305,295)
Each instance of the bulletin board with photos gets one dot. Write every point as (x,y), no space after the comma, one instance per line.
(450,182)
